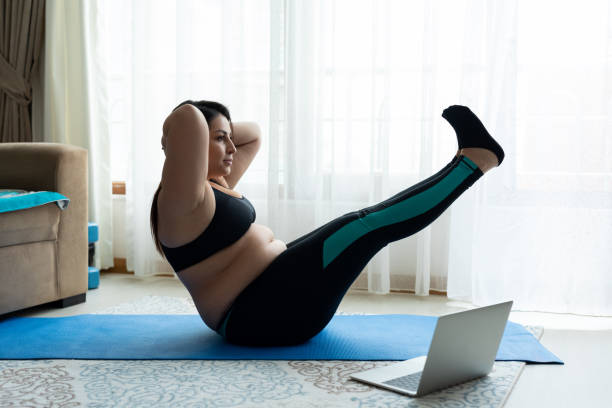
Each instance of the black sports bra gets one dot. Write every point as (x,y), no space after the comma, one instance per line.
(231,220)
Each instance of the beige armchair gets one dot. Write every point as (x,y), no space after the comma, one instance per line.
(43,249)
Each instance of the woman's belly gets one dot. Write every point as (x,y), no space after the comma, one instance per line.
(217,281)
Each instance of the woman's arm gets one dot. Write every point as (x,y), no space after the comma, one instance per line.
(247,139)
(245,132)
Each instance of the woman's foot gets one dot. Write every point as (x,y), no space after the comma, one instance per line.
(471,133)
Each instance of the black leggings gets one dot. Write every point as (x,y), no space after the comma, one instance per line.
(300,291)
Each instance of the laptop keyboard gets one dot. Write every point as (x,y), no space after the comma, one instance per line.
(409,382)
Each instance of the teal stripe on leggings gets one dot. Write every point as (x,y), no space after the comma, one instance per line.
(411,207)
(224,324)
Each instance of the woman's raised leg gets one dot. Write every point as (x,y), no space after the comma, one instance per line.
(435,176)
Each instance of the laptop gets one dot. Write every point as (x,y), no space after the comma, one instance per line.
(463,347)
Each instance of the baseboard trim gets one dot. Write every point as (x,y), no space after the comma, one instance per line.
(431,291)
(120,267)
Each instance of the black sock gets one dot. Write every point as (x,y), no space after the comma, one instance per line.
(470,130)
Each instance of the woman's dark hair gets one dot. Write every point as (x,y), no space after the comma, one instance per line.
(210,110)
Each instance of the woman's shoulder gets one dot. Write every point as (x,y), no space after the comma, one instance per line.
(176,230)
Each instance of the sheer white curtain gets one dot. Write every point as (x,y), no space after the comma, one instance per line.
(539,230)
(70,102)
(349,94)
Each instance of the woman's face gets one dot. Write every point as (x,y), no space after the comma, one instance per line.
(220,148)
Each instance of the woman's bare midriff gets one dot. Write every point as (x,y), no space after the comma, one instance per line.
(215,282)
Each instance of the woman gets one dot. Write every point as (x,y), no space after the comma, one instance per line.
(251,288)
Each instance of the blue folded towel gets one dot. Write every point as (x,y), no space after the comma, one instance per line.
(12,200)
(185,337)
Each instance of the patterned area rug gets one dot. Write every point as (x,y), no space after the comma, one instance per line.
(224,383)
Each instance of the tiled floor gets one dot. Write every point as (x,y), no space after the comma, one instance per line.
(584,343)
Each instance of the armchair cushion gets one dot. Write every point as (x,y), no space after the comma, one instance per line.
(29,225)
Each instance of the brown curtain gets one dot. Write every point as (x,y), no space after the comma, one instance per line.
(21,38)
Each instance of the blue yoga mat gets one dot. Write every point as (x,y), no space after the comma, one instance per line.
(185,337)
